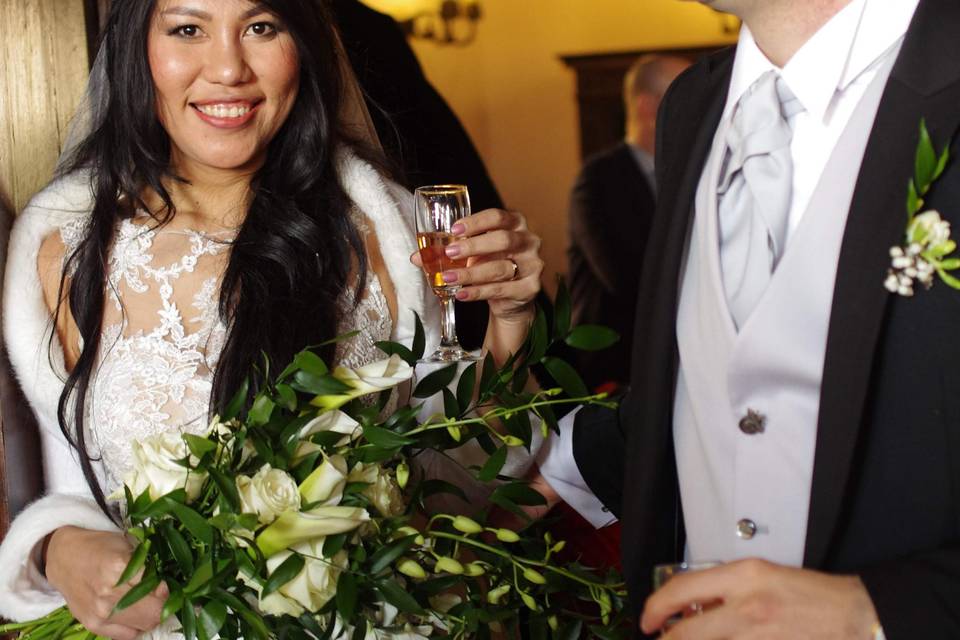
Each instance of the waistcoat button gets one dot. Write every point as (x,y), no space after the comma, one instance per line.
(746,529)
(753,423)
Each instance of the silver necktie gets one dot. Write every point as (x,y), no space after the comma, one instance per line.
(755,190)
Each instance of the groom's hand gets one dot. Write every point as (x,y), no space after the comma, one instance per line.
(758,599)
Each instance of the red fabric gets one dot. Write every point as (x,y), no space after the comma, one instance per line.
(598,548)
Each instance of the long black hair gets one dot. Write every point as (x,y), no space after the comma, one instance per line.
(290,261)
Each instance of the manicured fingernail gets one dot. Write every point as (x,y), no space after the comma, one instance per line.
(462,295)
(458,228)
(453,251)
(450,276)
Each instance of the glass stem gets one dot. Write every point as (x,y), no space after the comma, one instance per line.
(448,327)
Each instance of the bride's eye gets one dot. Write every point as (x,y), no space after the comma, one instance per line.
(185,31)
(262,29)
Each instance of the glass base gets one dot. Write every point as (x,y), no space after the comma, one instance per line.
(454,353)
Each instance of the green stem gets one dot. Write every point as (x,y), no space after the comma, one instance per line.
(524,561)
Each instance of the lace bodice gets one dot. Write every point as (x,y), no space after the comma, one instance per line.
(162,335)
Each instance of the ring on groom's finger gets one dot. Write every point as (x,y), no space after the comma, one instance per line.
(516,268)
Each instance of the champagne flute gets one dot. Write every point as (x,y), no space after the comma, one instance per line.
(438,208)
(662,574)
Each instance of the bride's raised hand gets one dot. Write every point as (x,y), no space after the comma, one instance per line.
(503,268)
(84,566)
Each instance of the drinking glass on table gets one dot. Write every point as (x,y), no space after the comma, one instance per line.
(663,572)
(438,208)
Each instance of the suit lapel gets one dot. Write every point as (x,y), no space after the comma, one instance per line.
(877,220)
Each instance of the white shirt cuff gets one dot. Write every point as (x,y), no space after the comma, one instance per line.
(559,468)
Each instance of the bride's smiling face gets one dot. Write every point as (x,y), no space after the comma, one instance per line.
(226,74)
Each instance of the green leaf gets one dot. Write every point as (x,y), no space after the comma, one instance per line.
(150,582)
(561,311)
(395,348)
(198,445)
(566,377)
(136,563)
(201,576)
(384,438)
(287,397)
(239,399)
(435,381)
(188,620)
(434,586)
(398,597)
(333,544)
(260,411)
(538,628)
(539,337)
(173,604)
(925,163)
(451,408)
(193,521)
(212,617)
(493,465)
(419,338)
(571,630)
(178,548)
(325,385)
(942,162)
(347,596)
(228,488)
(465,387)
(287,571)
(949,279)
(592,337)
(254,622)
(385,556)
(950,264)
(488,375)
(311,363)
(913,200)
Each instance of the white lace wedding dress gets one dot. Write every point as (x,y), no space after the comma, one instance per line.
(163,336)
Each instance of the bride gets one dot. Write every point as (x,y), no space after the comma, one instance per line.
(226,203)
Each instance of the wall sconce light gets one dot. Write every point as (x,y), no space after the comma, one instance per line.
(453,22)
(729,24)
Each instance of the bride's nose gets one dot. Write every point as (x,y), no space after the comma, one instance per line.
(226,63)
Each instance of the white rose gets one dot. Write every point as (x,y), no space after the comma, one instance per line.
(382,490)
(324,486)
(316,583)
(268,493)
(155,467)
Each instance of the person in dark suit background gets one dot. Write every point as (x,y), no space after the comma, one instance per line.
(871,531)
(611,209)
(419,131)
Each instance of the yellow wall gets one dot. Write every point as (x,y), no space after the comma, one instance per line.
(518,100)
(42,75)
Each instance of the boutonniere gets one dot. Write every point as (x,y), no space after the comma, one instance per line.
(927,249)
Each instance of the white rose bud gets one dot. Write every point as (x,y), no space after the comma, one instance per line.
(155,467)
(268,493)
(382,490)
(929,228)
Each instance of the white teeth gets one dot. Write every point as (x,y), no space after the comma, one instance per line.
(224,111)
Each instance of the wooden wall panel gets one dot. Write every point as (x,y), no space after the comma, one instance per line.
(43,49)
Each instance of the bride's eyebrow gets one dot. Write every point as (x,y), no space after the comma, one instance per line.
(203,15)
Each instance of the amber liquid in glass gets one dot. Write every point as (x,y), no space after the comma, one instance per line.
(432,247)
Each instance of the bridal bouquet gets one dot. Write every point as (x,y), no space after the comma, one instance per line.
(300,512)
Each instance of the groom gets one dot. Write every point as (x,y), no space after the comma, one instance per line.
(790,416)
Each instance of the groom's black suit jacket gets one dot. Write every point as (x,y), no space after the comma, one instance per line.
(885,501)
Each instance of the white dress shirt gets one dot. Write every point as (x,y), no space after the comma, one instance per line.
(829,75)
